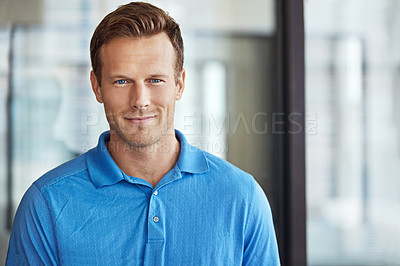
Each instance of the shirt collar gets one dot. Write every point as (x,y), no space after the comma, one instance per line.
(103,171)
(191,159)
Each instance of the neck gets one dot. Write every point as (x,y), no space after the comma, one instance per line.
(150,162)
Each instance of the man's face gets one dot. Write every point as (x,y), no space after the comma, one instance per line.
(138,88)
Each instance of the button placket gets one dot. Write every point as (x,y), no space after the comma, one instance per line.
(155,246)
(155,218)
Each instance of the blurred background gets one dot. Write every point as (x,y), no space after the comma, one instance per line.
(230,108)
(353,162)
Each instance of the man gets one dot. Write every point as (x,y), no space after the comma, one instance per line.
(143,196)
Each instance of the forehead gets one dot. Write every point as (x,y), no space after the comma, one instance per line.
(145,51)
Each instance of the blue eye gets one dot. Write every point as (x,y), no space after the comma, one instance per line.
(121,81)
(155,80)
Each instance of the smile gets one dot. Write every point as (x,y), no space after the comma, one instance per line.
(140,120)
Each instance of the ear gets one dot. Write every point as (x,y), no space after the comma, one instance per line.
(96,87)
(180,85)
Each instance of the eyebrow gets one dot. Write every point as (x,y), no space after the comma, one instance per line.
(119,77)
(156,75)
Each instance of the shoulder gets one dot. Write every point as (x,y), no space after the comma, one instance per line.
(228,175)
(241,187)
(68,169)
(48,194)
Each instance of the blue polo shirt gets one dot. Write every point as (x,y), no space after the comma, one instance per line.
(87,211)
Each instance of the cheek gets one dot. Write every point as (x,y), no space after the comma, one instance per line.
(115,101)
(163,99)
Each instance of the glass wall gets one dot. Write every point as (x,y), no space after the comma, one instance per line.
(230,61)
(353,160)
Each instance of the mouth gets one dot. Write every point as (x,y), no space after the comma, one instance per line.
(140,119)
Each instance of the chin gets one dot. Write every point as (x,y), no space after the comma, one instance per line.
(142,142)
(139,138)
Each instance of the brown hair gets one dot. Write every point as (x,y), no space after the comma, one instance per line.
(136,19)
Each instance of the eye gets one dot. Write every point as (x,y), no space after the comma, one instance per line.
(155,80)
(121,81)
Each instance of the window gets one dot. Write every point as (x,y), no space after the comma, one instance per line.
(353,158)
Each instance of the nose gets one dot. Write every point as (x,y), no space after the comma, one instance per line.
(140,96)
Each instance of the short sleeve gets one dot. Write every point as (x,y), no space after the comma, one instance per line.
(32,240)
(260,241)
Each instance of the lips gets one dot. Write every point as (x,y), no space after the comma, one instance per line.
(140,119)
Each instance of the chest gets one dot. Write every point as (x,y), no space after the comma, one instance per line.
(136,225)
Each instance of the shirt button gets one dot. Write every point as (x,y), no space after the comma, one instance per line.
(156,219)
(156,193)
